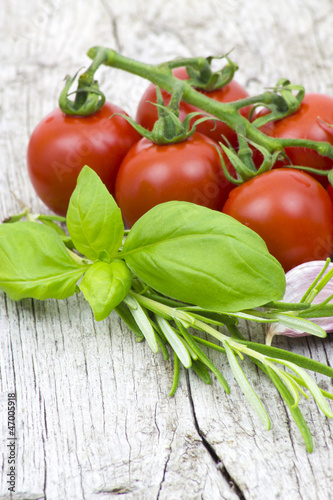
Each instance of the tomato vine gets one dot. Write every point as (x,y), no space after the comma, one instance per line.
(281,101)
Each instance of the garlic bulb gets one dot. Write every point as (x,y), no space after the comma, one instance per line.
(298,280)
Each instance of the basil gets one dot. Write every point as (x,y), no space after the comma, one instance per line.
(34,262)
(104,286)
(181,267)
(94,220)
(203,257)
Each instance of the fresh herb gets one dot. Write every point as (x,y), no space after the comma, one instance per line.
(181,268)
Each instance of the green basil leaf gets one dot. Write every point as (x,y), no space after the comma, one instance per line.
(105,286)
(35,263)
(203,257)
(94,220)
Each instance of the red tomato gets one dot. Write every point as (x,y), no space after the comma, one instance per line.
(186,171)
(233,91)
(306,123)
(290,210)
(61,145)
(329,189)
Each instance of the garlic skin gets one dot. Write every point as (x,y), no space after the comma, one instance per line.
(298,281)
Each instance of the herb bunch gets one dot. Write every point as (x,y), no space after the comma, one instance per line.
(180,272)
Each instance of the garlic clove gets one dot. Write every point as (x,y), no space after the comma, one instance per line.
(298,281)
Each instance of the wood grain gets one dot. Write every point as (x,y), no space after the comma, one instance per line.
(94,419)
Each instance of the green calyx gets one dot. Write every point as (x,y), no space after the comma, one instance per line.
(204,78)
(89,99)
(283,103)
(243,163)
(168,128)
(245,168)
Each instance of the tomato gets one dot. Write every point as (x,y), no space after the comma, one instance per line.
(330,191)
(147,113)
(61,145)
(290,210)
(308,122)
(186,171)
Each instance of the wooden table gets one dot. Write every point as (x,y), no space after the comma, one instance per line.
(93,415)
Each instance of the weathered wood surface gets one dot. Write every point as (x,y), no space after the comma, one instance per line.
(93,418)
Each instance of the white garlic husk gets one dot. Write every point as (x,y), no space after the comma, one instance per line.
(298,281)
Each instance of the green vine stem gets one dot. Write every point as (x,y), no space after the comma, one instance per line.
(161,75)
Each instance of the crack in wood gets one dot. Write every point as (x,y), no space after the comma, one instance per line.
(164,474)
(118,490)
(209,447)
(45,468)
(114,25)
(166,466)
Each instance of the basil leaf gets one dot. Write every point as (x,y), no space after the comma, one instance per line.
(94,220)
(203,257)
(35,263)
(105,286)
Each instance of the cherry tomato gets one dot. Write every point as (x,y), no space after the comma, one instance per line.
(186,171)
(61,145)
(233,91)
(310,121)
(290,210)
(329,189)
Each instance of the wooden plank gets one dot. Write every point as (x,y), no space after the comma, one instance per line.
(93,415)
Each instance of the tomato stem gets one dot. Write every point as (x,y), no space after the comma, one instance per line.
(281,101)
